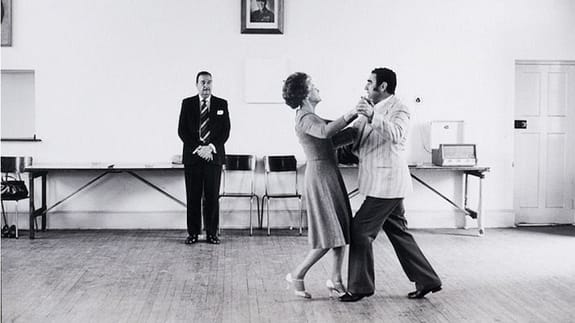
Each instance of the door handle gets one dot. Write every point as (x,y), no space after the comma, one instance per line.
(520,124)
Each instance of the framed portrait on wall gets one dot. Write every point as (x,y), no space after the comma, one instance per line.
(262,17)
(6,22)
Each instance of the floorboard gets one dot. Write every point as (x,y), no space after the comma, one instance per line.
(510,275)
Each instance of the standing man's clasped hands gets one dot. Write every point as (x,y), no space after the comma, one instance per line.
(206,152)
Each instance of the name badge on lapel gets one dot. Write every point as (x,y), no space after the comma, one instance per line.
(220,112)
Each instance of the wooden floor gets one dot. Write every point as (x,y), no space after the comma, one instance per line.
(510,275)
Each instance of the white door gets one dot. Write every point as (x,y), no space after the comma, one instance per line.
(544,157)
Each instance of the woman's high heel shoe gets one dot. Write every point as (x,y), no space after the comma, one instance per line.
(298,286)
(335,289)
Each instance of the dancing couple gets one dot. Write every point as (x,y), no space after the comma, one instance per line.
(382,123)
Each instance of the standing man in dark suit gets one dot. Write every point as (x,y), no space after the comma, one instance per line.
(385,180)
(204,127)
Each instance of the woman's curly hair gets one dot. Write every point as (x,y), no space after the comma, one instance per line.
(295,89)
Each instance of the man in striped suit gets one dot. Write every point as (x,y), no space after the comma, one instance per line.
(384,179)
(204,127)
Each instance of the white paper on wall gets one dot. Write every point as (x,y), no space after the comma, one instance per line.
(264,80)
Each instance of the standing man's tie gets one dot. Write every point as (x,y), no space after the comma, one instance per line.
(204,120)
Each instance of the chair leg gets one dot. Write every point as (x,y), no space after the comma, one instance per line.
(268,214)
(300,216)
(290,226)
(251,227)
(3,213)
(260,217)
(219,220)
(17,216)
(262,214)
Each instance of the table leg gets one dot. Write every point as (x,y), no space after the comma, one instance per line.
(465,178)
(32,208)
(44,204)
(480,209)
(465,185)
(36,212)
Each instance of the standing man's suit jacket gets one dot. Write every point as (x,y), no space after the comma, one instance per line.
(380,146)
(189,128)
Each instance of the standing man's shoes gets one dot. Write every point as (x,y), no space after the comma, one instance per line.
(421,293)
(213,239)
(192,239)
(348,297)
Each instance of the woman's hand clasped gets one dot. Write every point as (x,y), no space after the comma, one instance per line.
(365,108)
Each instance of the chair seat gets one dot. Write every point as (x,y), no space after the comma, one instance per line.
(238,194)
(14,198)
(282,195)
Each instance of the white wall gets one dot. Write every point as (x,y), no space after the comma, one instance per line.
(110,76)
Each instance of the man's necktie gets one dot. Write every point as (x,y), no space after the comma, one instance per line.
(204,121)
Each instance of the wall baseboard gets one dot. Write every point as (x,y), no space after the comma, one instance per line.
(239,219)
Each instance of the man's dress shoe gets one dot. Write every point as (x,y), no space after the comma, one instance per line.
(192,239)
(213,239)
(348,297)
(421,293)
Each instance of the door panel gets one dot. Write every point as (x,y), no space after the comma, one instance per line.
(529,86)
(554,192)
(557,98)
(545,150)
(527,148)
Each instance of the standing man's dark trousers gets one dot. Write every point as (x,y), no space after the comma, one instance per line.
(202,179)
(374,214)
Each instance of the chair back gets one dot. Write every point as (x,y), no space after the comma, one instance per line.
(13,187)
(284,163)
(240,163)
(15,165)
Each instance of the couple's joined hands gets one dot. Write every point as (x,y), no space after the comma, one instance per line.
(363,107)
(205,152)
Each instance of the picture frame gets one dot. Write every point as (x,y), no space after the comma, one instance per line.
(262,17)
(6,23)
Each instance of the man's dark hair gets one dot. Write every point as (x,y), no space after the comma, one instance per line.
(202,73)
(295,89)
(385,75)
